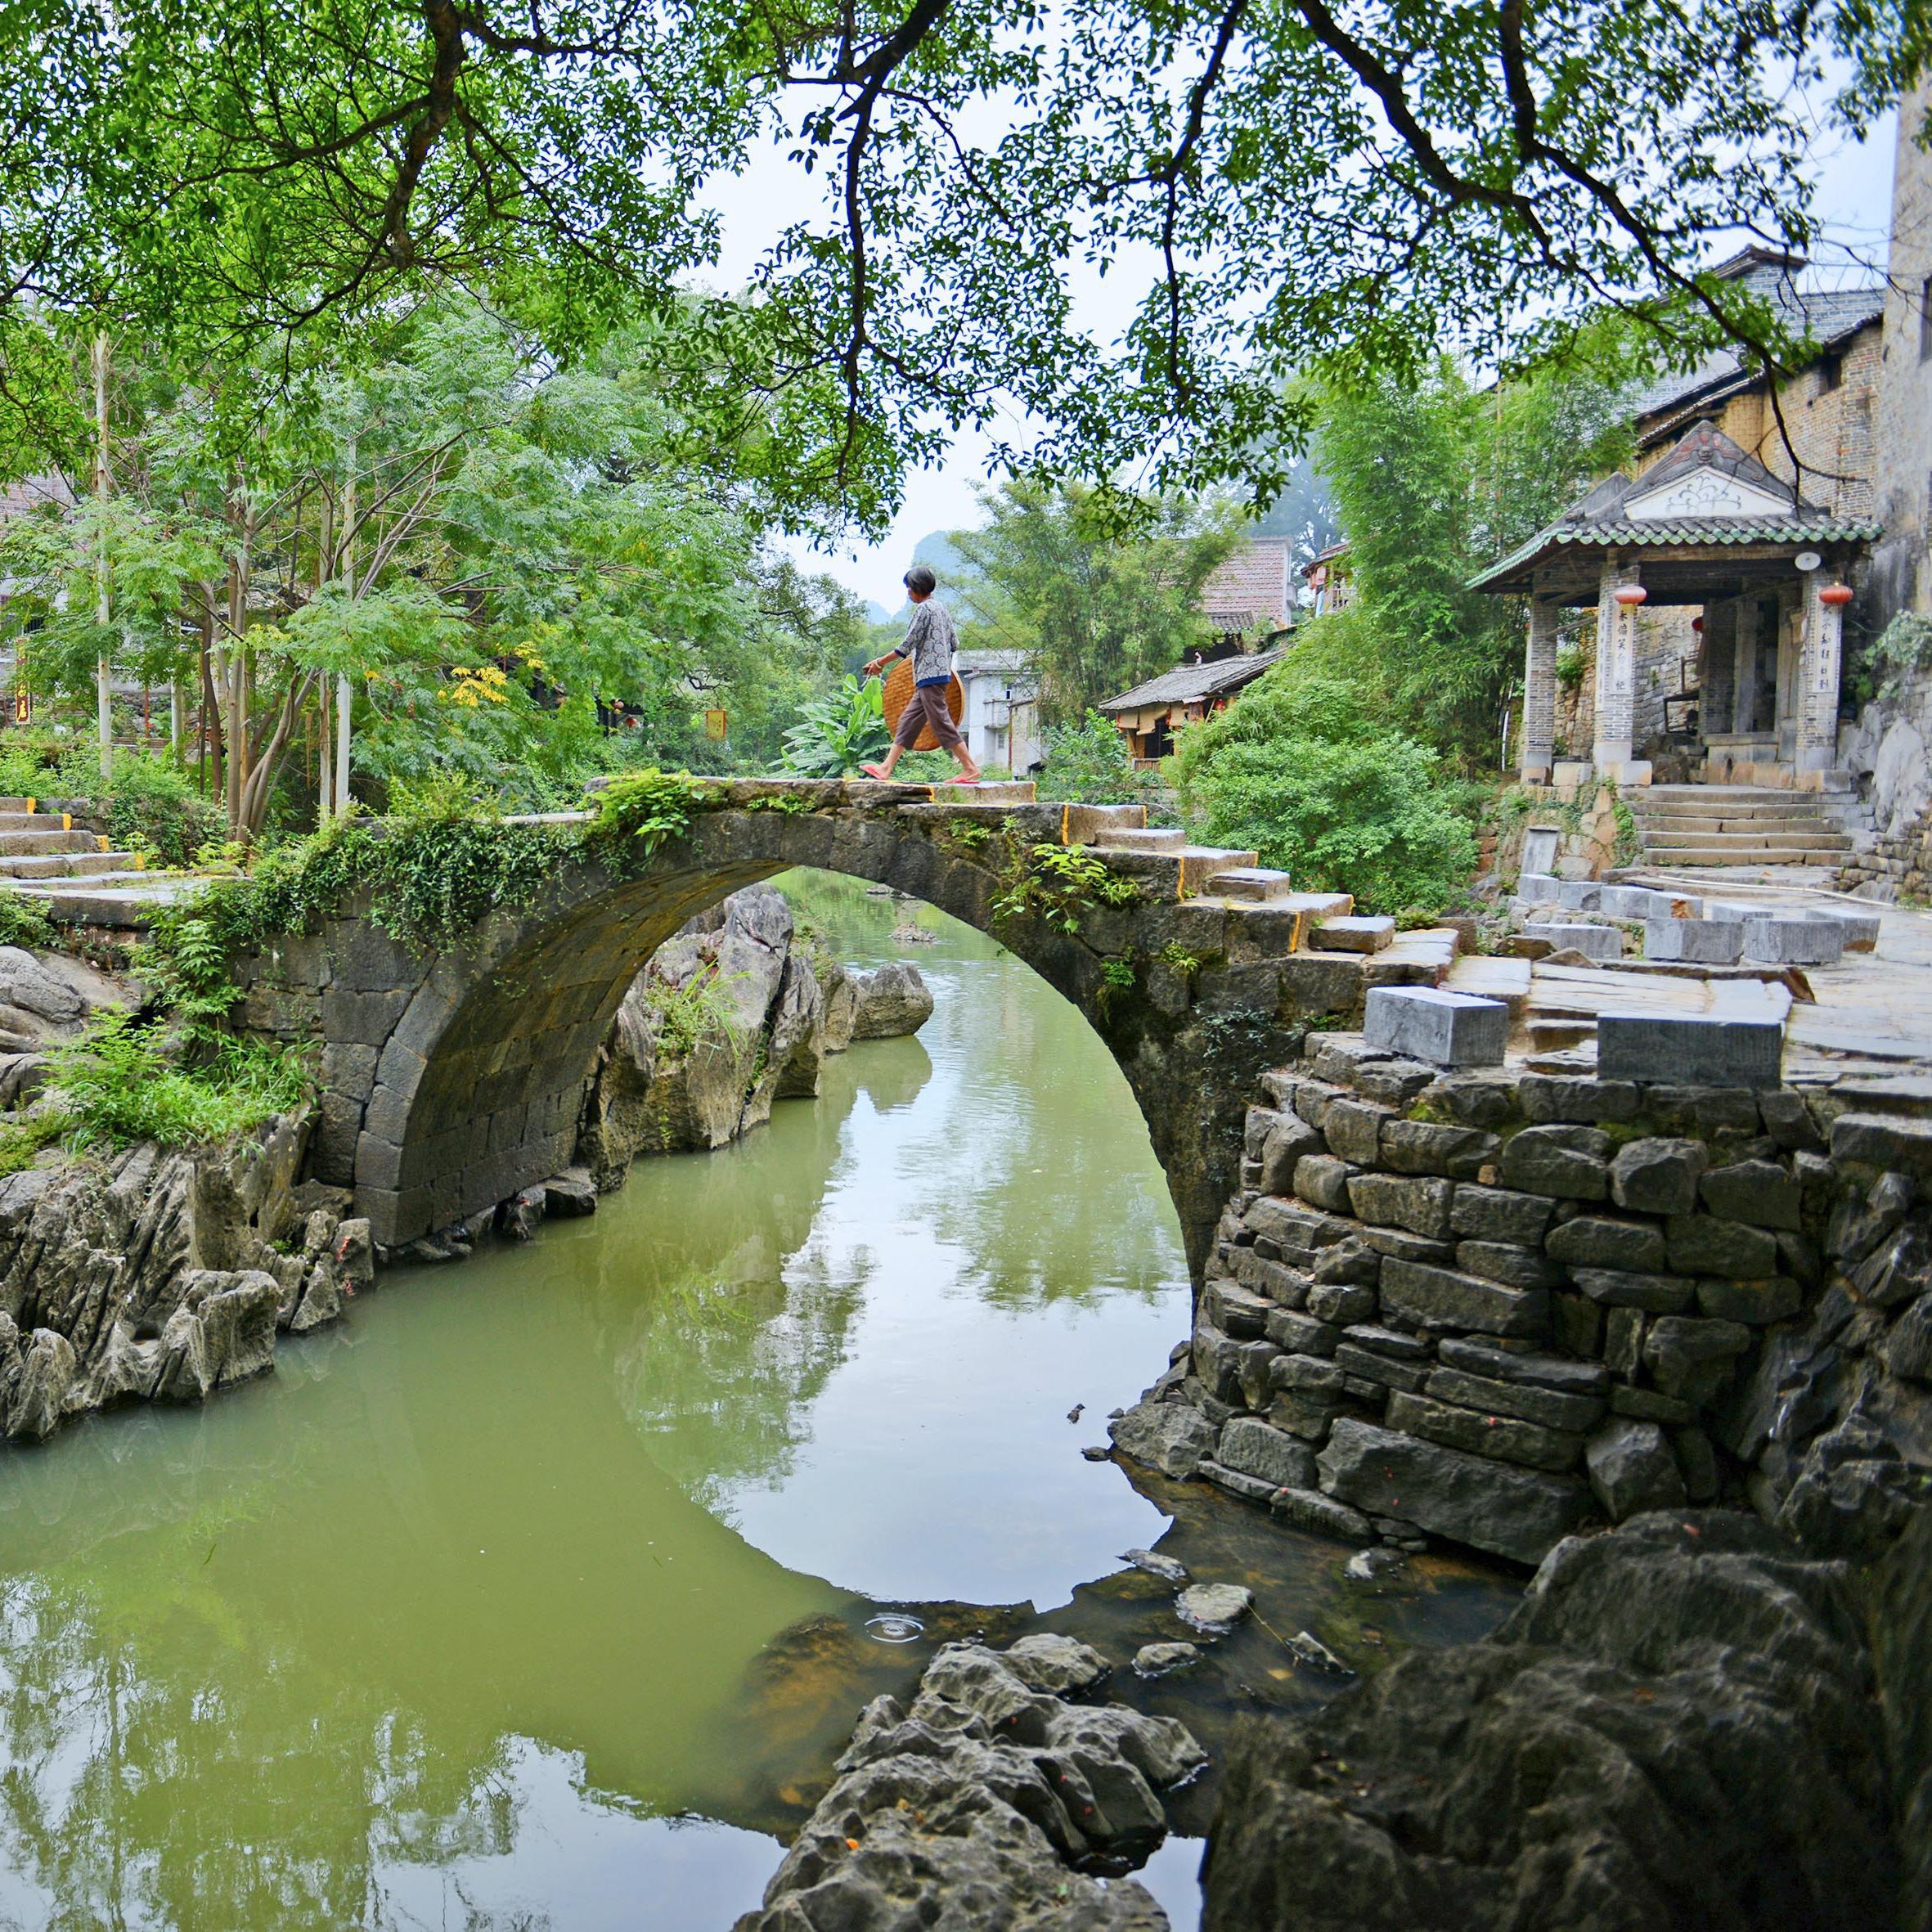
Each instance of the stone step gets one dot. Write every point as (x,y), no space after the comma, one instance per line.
(1089,824)
(1715,798)
(1556,1035)
(1675,827)
(32,821)
(1730,820)
(1202,863)
(52,840)
(1700,856)
(62,865)
(1745,841)
(1425,956)
(1489,976)
(1270,927)
(1019,791)
(1141,838)
(1348,934)
(1727,793)
(1180,871)
(1250,882)
(123,899)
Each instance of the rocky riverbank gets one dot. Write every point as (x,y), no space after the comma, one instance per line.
(736,1011)
(1679,1728)
(155,1274)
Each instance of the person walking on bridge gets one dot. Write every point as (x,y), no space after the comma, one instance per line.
(930,642)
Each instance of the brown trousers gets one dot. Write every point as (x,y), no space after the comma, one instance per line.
(927,706)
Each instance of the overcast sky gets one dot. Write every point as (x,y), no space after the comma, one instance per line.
(1854,198)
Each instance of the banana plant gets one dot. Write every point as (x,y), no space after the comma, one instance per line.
(837,735)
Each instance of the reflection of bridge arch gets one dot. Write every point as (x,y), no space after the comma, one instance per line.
(453,1079)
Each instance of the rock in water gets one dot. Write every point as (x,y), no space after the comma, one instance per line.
(1155,1565)
(1696,1700)
(1372,1566)
(1168,1436)
(1310,1649)
(893,1001)
(1213,1609)
(969,1808)
(1058,1664)
(1160,1660)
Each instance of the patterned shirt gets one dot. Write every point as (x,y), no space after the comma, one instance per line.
(930,642)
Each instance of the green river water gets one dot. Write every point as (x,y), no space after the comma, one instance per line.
(536,1592)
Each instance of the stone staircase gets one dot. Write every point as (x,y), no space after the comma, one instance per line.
(1164,860)
(46,848)
(1697,825)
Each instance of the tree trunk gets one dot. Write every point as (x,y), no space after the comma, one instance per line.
(103,689)
(342,683)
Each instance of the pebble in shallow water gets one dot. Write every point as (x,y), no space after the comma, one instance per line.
(1164,1567)
(1158,1659)
(1310,1649)
(1372,1566)
(1213,1609)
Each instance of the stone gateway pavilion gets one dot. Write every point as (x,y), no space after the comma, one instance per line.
(1769,573)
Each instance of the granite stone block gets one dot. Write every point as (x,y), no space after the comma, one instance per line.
(1445,1029)
(1716,1052)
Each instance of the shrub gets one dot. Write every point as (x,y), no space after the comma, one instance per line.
(1302,771)
(1088,764)
(154,808)
(838,734)
(117,1085)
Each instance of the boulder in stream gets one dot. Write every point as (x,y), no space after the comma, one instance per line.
(893,1001)
(1675,1730)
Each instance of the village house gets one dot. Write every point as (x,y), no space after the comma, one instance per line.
(1330,581)
(1001,720)
(1251,598)
(1151,716)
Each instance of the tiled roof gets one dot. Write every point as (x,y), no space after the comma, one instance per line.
(1250,590)
(1190,683)
(1598,521)
(1828,315)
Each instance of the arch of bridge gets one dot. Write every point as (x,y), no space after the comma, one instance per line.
(452,1080)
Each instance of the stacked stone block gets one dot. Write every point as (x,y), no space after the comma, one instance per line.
(1493,1306)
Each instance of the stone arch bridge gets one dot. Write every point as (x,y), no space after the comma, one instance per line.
(454,1078)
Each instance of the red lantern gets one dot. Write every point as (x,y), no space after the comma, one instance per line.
(1696,623)
(1629,595)
(1837,596)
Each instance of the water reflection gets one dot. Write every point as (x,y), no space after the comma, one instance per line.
(505,1603)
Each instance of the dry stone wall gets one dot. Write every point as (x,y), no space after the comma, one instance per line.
(1495,1307)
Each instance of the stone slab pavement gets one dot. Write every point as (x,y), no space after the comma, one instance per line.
(1871,1009)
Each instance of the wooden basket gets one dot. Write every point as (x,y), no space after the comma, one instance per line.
(900,685)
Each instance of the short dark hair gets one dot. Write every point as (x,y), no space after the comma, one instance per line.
(919,578)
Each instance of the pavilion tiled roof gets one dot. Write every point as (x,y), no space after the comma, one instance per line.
(1599,521)
(1621,533)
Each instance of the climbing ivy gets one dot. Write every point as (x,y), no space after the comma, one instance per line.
(1057,883)
(639,813)
(431,871)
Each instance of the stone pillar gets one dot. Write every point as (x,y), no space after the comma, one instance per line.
(1816,696)
(1744,690)
(1616,677)
(1717,674)
(1539,693)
